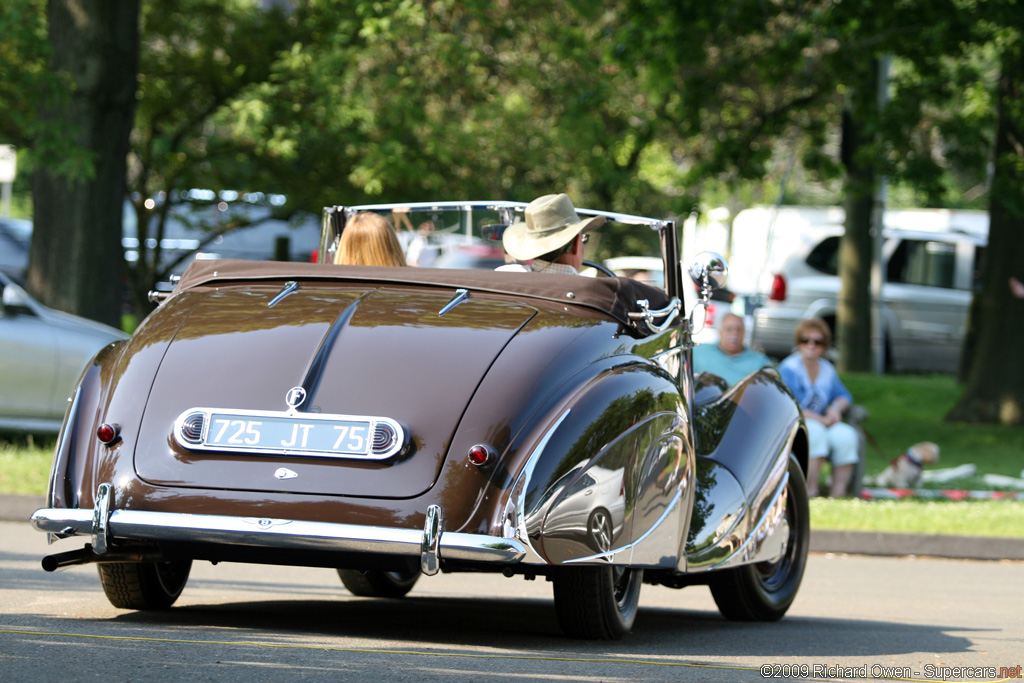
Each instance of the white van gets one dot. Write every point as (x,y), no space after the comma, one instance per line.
(930,264)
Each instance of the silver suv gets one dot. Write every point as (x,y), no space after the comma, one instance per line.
(929,281)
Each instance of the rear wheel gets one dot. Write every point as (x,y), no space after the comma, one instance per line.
(599,603)
(763,591)
(378,584)
(144,585)
(599,530)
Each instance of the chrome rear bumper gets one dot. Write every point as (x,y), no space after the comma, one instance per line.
(430,543)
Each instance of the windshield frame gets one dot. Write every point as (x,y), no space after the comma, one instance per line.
(335,217)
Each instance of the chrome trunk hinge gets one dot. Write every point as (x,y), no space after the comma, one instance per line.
(289,287)
(461,295)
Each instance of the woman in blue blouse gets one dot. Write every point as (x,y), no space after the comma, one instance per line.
(824,399)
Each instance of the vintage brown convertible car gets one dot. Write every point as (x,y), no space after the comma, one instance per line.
(393,422)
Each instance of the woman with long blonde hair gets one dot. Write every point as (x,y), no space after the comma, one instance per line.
(369,240)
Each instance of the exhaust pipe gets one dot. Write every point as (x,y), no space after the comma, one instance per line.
(86,555)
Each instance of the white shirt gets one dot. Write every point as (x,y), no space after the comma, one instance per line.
(538,266)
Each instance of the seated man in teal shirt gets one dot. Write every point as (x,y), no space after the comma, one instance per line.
(729,359)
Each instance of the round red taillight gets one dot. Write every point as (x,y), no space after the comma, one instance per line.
(778,292)
(479,455)
(107,433)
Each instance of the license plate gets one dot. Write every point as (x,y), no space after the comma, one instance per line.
(273,433)
(349,437)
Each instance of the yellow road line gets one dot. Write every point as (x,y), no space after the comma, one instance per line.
(422,653)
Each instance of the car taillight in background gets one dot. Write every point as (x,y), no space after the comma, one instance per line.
(778,288)
(709,314)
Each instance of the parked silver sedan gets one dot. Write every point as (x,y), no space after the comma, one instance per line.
(42,354)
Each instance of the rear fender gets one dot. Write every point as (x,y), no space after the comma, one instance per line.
(77,449)
(618,446)
(114,388)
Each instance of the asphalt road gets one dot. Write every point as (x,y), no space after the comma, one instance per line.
(871,615)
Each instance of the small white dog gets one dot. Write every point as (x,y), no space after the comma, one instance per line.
(905,469)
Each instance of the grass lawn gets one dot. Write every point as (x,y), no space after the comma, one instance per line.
(904,409)
(24,464)
(995,518)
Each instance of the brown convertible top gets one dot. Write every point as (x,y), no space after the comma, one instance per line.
(614,296)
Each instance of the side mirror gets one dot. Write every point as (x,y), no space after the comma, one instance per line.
(709,271)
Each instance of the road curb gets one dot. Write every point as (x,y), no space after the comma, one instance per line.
(15,508)
(18,508)
(930,545)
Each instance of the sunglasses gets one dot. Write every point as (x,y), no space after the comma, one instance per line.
(585,237)
(814,341)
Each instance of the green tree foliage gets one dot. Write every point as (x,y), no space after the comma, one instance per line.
(201,62)
(26,84)
(648,106)
(353,102)
(749,82)
(23,53)
(994,386)
(74,258)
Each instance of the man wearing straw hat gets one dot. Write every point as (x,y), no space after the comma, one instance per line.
(552,236)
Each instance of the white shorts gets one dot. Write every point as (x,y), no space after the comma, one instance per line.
(840,443)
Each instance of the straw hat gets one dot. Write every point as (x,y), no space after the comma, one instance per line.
(551,222)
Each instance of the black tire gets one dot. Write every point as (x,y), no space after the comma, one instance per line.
(597,603)
(378,584)
(764,591)
(144,585)
(599,530)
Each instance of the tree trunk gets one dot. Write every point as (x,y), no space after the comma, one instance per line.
(76,256)
(994,390)
(853,308)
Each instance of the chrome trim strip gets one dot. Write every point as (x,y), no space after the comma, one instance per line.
(282,534)
(315,370)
